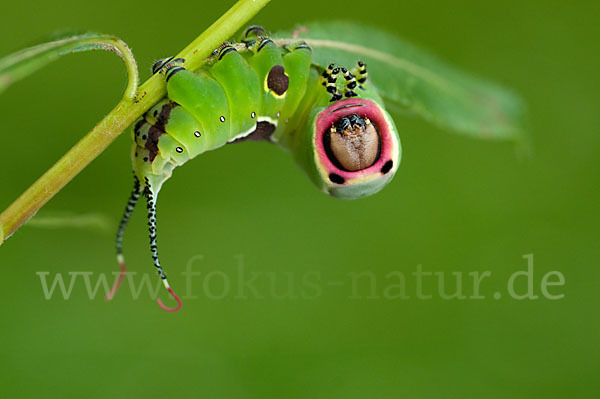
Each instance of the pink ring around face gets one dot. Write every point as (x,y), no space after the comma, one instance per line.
(362,108)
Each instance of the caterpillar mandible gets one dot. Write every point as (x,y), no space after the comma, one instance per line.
(331,119)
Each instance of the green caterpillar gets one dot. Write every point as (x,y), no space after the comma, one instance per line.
(331,119)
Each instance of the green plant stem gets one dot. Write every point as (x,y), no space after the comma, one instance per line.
(121,117)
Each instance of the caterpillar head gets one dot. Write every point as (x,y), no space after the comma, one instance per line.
(353,149)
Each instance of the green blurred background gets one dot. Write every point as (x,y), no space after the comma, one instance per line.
(456,205)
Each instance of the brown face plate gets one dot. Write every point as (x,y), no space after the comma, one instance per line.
(356,147)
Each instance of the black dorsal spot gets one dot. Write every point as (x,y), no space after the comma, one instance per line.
(387,167)
(277,80)
(336,178)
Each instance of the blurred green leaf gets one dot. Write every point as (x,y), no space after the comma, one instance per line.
(410,79)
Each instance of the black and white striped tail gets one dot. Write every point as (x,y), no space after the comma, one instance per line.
(133,198)
(151,205)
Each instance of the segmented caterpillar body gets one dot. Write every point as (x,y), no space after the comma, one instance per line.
(331,119)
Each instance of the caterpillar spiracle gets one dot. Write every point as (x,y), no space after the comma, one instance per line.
(331,119)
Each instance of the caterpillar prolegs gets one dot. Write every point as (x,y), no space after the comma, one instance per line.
(331,119)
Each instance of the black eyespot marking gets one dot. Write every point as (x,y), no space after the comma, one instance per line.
(197,134)
(387,167)
(155,113)
(222,119)
(145,159)
(144,137)
(336,178)
(179,149)
(277,80)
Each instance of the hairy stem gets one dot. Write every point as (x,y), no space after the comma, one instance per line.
(123,115)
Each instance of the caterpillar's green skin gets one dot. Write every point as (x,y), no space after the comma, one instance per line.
(348,147)
(227,99)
